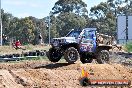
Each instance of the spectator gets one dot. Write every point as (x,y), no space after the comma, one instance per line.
(4,39)
(17,44)
(40,38)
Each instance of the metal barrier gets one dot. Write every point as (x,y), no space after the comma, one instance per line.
(17,57)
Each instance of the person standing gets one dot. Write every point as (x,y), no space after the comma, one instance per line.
(40,38)
(4,39)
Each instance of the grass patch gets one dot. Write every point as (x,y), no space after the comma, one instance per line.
(128,47)
(29,47)
(10,50)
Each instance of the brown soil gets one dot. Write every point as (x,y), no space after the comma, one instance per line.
(42,74)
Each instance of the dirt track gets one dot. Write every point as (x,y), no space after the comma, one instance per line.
(42,74)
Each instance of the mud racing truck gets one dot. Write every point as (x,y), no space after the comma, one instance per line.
(79,44)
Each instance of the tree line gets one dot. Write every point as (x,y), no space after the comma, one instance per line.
(66,15)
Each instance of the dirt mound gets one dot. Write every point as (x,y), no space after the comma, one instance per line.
(49,78)
(42,74)
(7,80)
(23,64)
(107,71)
(59,66)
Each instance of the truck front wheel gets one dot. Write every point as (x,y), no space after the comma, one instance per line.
(54,55)
(71,55)
(103,57)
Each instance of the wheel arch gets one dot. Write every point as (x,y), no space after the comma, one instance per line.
(103,47)
(75,45)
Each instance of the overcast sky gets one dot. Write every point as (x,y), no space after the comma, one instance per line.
(36,8)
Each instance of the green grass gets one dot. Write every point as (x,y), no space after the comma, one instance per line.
(10,50)
(29,47)
(128,47)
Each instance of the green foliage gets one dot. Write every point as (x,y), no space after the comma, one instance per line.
(5,20)
(105,14)
(129,47)
(76,6)
(25,29)
(67,15)
(71,14)
(68,21)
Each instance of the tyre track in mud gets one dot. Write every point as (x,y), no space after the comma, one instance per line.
(45,78)
(18,79)
(8,80)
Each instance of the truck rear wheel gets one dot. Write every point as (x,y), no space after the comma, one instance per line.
(71,55)
(85,58)
(103,57)
(54,55)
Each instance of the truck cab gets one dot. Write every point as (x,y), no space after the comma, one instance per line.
(87,40)
(78,44)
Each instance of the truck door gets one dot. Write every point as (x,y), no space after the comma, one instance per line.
(88,41)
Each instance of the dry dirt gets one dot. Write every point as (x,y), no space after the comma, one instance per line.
(43,74)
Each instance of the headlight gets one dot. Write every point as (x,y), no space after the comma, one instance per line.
(55,42)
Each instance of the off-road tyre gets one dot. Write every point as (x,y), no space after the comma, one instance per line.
(85,58)
(54,55)
(103,57)
(42,53)
(71,55)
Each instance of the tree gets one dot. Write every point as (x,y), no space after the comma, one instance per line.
(106,13)
(71,14)
(40,27)
(68,21)
(75,6)
(127,9)
(6,18)
(13,27)
(24,30)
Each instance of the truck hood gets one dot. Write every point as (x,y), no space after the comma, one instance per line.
(67,39)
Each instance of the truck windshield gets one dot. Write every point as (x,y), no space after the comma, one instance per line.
(74,34)
(89,34)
